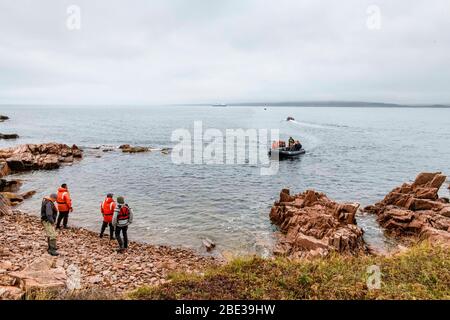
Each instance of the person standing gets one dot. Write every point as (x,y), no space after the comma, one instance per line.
(122,218)
(64,206)
(48,217)
(107,209)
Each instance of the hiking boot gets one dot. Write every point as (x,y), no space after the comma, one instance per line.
(120,250)
(52,248)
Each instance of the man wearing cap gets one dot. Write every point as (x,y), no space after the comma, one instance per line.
(48,217)
(122,218)
(107,209)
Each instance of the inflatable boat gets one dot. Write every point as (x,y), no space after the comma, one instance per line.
(285,153)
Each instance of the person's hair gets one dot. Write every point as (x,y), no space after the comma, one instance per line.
(64,185)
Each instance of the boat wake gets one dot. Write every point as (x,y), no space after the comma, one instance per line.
(311,125)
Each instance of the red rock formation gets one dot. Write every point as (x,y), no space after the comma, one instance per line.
(311,224)
(416,209)
(36,156)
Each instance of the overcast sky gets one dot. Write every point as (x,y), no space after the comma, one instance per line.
(202,51)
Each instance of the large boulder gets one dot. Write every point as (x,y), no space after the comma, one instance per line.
(133,149)
(311,224)
(8,136)
(11,198)
(41,274)
(415,210)
(9,185)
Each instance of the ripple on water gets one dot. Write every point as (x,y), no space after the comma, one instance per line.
(365,154)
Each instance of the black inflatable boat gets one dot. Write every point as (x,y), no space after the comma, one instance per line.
(285,153)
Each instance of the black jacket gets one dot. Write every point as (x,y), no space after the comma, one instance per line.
(48,210)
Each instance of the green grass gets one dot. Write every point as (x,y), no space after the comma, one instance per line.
(423,272)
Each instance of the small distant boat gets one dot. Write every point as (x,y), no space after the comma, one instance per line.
(290,119)
(220,105)
(286,153)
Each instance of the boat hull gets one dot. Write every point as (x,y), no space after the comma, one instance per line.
(286,154)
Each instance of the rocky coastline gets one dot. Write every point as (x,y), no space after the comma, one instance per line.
(313,225)
(25,266)
(415,211)
(310,224)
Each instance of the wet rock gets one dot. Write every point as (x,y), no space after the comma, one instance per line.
(38,156)
(416,210)
(313,225)
(3,118)
(12,199)
(209,244)
(8,136)
(28,194)
(10,185)
(133,149)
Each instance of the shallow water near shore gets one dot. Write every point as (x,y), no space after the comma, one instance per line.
(353,154)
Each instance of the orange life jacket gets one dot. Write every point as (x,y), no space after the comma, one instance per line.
(63,200)
(107,208)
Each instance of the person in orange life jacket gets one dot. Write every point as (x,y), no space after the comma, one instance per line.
(107,209)
(64,203)
(122,218)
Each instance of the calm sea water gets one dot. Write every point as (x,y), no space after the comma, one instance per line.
(353,154)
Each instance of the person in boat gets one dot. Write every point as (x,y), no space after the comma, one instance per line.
(297,146)
(291,142)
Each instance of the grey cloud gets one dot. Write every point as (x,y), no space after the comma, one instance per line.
(177,51)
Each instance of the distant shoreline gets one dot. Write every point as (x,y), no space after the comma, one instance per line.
(296,104)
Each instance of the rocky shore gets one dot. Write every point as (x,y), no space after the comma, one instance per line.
(27,157)
(310,226)
(25,265)
(415,210)
(44,156)
(313,225)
